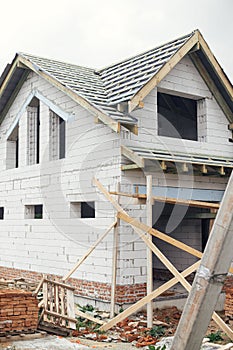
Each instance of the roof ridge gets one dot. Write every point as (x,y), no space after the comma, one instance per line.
(147,51)
(28,55)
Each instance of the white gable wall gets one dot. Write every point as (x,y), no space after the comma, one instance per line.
(54,244)
(184,80)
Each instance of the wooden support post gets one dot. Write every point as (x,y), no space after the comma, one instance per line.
(114,262)
(209,278)
(150,288)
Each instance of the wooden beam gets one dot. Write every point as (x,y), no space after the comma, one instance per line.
(222,171)
(166,68)
(88,317)
(204,169)
(55,314)
(142,302)
(209,279)
(89,251)
(211,58)
(211,85)
(149,205)
(39,286)
(129,167)
(191,203)
(13,95)
(131,127)
(114,262)
(163,165)
(139,225)
(9,75)
(104,118)
(128,153)
(60,284)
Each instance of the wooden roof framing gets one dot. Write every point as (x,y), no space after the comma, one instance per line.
(138,156)
(128,82)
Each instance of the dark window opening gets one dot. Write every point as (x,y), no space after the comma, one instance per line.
(38,135)
(87,210)
(177,117)
(62,138)
(38,211)
(17,153)
(12,157)
(1,213)
(205,225)
(34,211)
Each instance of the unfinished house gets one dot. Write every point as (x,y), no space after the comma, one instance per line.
(85,152)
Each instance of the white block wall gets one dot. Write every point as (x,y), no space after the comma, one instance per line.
(55,243)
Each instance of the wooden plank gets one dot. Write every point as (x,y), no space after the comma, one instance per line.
(129,167)
(88,317)
(51,294)
(45,298)
(135,223)
(104,118)
(62,303)
(211,85)
(166,68)
(191,203)
(114,263)
(13,95)
(149,289)
(211,58)
(56,315)
(209,279)
(64,285)
(70,309)
(128,153)
(56,298)
(142,302)
(88,252)
(40,285)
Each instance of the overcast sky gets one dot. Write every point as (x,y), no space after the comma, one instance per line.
(96,33)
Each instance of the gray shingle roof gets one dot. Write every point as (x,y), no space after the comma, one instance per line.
(117,83)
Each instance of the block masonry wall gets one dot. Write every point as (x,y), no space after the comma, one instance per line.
(54,244)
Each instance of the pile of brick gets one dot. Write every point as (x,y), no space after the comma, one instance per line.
(18,306)
(18,283)
(229,303)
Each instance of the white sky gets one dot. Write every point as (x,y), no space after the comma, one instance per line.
(96,33)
